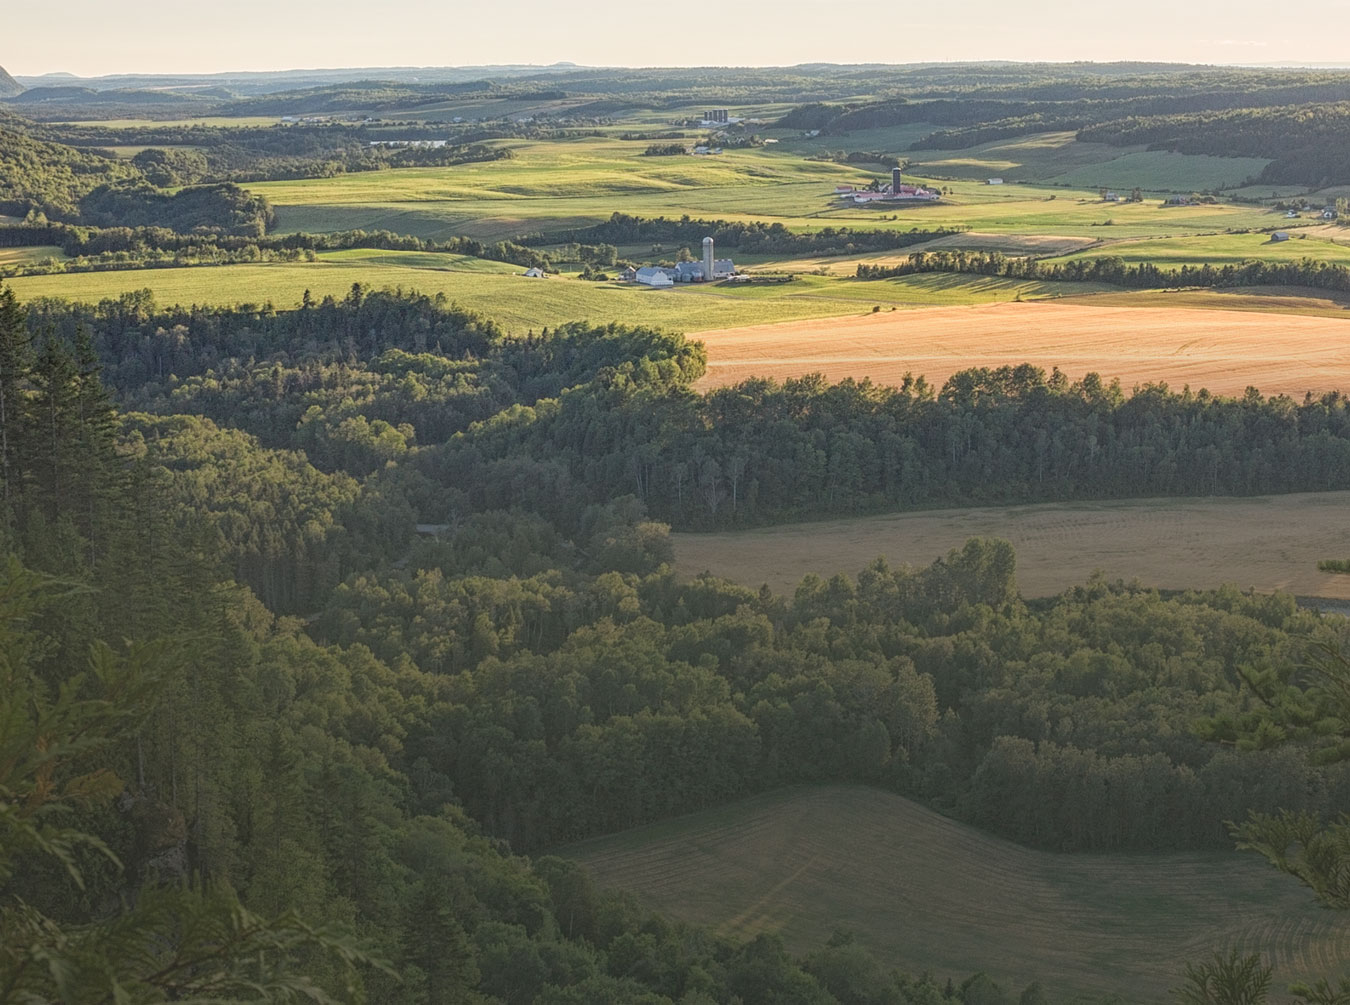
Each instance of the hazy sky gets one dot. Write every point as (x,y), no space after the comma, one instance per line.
(91,37)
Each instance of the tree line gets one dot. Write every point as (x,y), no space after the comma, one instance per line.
(752,237)
(1113,271)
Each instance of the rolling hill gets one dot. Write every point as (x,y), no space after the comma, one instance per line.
(9,87)
(927,893)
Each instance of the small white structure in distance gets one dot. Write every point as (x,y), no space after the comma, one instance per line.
(535,273)
(1280,235)
(994,181)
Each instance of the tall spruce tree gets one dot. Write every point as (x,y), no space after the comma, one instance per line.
(15,365)
(55,425)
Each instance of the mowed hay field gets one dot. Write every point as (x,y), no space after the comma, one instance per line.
(926,893)
(1264,542)
(1224,351)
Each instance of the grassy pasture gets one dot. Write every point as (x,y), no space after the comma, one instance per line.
(1160,171)
(1264,542)
(1267,299)
(499,291)
(26,256)
(888,139)
(1033,158)
(219,121)
(926,893)
(1225,249)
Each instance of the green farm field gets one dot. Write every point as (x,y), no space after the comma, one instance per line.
(548,186)
(519,304)
(926,893)
(27,256)
(1321,243)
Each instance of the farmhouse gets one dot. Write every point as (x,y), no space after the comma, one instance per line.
(1329,214)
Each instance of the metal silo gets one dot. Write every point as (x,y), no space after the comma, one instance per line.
(707,259)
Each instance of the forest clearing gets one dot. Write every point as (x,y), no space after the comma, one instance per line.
(921,890)
(1266,542)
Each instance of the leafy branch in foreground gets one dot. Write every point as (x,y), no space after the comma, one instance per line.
(1310,706)
(172,942)
(1226,980)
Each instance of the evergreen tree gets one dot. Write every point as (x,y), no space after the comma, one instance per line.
(55,425)
(15,365)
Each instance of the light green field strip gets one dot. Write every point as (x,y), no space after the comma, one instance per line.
(26,256)
(500,291)
(1225,249)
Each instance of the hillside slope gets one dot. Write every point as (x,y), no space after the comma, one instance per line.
(8,85)
(925,892)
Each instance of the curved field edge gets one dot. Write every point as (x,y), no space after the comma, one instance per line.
(928,893)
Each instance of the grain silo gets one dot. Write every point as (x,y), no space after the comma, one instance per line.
(707,259)
(895,181)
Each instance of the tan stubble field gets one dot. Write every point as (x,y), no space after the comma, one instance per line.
(1222,350)
(1265,542)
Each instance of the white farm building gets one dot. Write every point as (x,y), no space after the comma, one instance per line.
(653,276)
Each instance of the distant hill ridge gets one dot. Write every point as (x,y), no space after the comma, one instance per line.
(8,85)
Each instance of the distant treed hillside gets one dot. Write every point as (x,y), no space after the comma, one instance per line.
(51,177)
(8,85)
(1301,122)
(1307,142)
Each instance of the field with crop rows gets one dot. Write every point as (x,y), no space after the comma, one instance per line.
(926,893)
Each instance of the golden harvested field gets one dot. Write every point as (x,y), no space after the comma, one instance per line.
(1225,351)
(1266,542)
(927,893)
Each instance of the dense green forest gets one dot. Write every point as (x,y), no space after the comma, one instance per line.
(534,672)
(1304,141)
(321,630)
(752,237)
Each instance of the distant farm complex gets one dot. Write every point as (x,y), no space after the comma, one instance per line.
(707,270)
(896,191)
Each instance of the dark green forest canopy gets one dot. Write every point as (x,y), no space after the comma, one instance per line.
(372,722)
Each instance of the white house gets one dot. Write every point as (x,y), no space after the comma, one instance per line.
(651,276)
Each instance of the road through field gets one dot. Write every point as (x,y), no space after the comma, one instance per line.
(927,893)
(1224,351)
(1265,542)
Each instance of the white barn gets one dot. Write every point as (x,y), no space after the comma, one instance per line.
(652,276)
